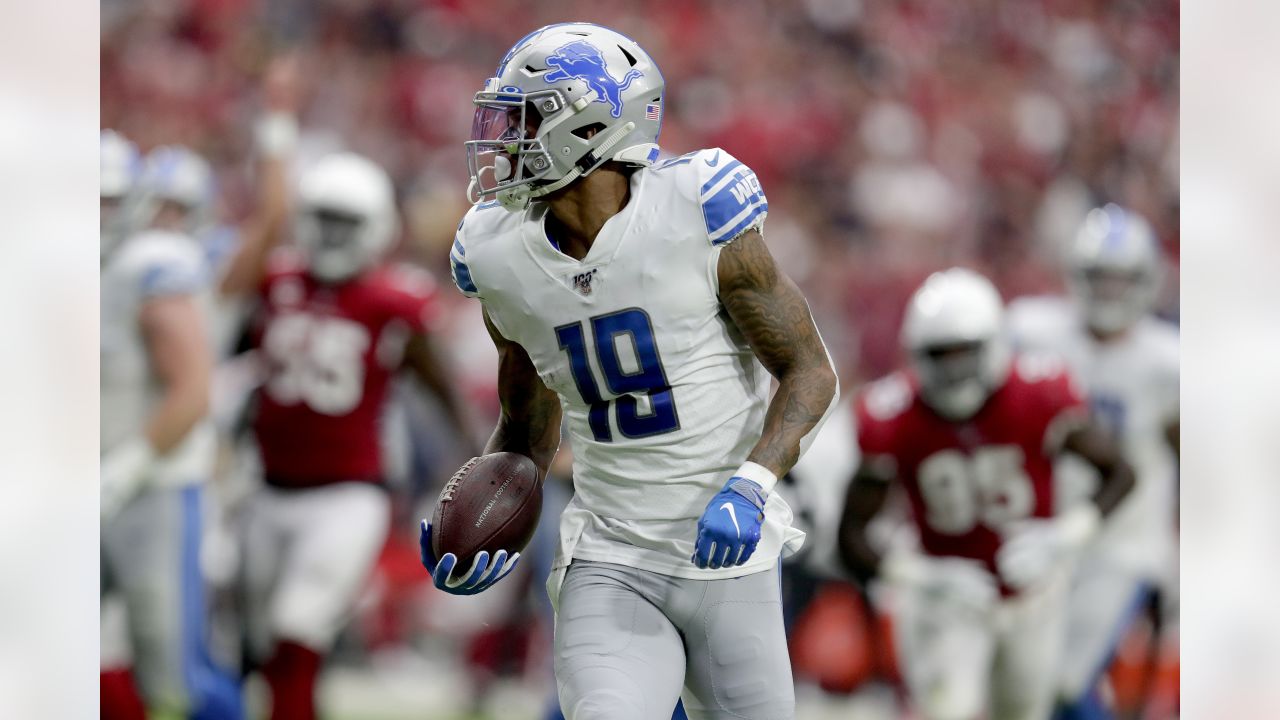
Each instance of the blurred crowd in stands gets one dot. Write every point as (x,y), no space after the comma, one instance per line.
(893,137)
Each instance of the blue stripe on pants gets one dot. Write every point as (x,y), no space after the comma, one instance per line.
(1126,621)
(1090,706)
(214,693)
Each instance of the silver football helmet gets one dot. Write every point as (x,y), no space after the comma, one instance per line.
(566,99)
(175,191)
(1114,268)
(117,174)
(347,216)
(954,332)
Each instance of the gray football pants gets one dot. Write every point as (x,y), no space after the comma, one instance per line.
(629,642)
(150,554)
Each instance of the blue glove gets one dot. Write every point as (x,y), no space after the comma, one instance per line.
(479,578)
(729,529)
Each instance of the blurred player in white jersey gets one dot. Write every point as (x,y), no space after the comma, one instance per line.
(157,449)
(972,433)
(1128,363)
(638,298)
(176,191)
(336,321)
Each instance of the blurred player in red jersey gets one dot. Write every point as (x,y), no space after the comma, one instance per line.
(972,433)
(335,324)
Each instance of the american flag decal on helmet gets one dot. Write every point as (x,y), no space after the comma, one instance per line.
(653,111)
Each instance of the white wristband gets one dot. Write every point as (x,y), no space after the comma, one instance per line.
(276,134)
(758,474)
(123,473)
(1080,523)
(903,567)
(132,457)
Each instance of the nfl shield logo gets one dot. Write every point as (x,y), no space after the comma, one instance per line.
(582,281)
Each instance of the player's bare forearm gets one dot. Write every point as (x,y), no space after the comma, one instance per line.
(277,134)
(773,316)
(429,368)
(529,423)
(1099,450)
(865,497)
(179,352)
(262,233)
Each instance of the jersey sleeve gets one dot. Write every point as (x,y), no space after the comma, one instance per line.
(458,268)
(168,271)
(877,410)
(729,194)
(1059,399)
(413,298)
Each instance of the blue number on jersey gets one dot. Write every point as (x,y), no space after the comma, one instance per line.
(1110,413)
(650,378)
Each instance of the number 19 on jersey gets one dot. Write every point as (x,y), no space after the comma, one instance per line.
(644,376)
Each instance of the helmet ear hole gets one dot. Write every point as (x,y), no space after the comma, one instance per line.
(587,131)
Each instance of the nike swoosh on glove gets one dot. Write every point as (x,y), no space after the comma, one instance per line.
(729,528)
(1034,550)
(482,575)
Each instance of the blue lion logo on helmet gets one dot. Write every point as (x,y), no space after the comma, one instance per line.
(584,61)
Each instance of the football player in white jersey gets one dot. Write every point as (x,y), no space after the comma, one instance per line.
(1128,362)
(639,299)
(176,191)
(157,450)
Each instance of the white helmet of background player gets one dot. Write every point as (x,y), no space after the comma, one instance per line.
(566,99)
(954,333)
(175,191)
(346,216)
(119,170)
(1114,268)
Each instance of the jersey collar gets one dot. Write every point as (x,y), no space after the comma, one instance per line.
(607,243)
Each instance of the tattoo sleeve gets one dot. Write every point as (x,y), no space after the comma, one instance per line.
(529,423)
(773,316)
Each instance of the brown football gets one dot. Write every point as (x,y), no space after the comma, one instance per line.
(492,503)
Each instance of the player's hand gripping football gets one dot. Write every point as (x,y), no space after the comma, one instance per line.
(483,574)
(729,529)
(1034,550)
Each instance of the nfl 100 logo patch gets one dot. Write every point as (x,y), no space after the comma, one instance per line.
(582,282)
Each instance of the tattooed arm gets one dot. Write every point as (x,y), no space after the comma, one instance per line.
(774,317)
(530,419)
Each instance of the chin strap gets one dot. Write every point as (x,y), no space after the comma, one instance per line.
(517,198)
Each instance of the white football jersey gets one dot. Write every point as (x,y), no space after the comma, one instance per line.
(1132,384)
(663,396)
(153,264)
(219,245)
